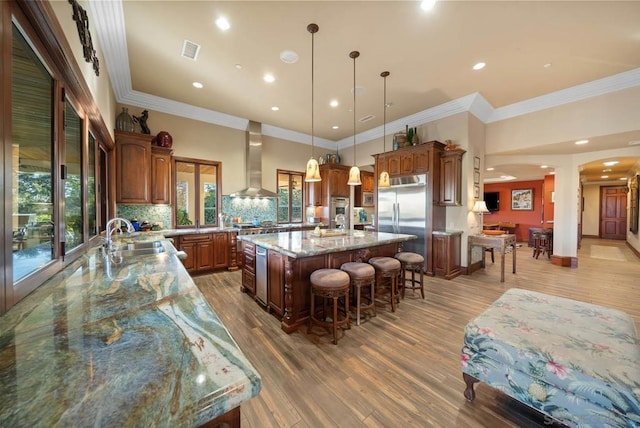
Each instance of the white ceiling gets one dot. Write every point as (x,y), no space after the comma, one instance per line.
(429,55)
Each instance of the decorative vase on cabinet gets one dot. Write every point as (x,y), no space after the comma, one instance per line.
(124,121)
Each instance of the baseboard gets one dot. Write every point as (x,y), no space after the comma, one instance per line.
(591,236)
(564,261)
(633,250)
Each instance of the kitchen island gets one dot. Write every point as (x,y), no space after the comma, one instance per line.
(291,257)
(126,343)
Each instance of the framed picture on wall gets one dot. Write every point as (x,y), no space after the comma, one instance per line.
(476,177)
(476,191)
(476,163)
(522,200)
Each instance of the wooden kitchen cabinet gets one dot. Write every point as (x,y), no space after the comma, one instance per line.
(206,251)
(133,167)
(160,175)
(335,184)
(220,250)
(409,160)
(368,181)
(451,177)
(275,282)
(446,248)
(314,193)
(143,171)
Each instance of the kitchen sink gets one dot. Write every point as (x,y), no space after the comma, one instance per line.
(142,245)
(125,253)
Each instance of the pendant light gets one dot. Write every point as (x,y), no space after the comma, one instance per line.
(383,181)
(354,173)
(313,169)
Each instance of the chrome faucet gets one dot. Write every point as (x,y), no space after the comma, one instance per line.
(109,230)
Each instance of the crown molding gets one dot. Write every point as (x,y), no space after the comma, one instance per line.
(108,17)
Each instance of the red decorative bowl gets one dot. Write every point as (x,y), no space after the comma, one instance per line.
(164,139)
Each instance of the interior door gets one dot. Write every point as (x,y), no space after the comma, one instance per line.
(613,212)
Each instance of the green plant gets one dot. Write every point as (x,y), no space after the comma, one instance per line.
(182,217)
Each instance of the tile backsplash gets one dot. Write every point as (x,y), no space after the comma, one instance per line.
(151,213)
(249,209)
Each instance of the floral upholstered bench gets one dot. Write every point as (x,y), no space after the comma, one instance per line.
(575,362)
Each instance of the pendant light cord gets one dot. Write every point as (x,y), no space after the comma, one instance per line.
(354,55)
(384,74)
(313,29)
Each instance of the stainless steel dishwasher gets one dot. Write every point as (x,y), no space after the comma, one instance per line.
(261,274)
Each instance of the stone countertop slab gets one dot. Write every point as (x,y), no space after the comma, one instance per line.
(129,345)
(307,243)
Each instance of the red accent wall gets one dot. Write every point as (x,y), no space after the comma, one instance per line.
(523,219)
(549,186)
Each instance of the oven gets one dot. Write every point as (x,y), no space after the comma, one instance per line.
(338,206)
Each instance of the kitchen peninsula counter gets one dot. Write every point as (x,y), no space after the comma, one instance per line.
(293,256)
(133,344)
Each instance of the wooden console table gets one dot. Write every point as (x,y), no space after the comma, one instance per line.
(498,242)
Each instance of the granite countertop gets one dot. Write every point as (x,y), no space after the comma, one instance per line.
(193,231)
(307,243)
(134,344)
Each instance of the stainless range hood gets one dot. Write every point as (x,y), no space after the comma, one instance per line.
(254,187)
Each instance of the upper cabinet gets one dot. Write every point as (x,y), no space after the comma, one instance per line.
(409,160)
(451,177)
(333,184)
(364,194)
(143,171)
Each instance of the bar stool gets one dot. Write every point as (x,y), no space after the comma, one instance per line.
(361,275)
(412,262)
(387,268)
(330,284)
(542,243)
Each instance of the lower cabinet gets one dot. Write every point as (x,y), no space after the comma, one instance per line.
(446,254)
(205,251)
(275,283)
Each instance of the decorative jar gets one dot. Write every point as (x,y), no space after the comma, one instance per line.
(124,122)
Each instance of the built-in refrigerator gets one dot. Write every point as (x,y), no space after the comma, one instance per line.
(402,208)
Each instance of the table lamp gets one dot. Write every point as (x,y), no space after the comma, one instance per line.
(480,207)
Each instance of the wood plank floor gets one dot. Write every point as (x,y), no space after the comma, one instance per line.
(402,369)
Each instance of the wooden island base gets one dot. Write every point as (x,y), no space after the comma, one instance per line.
(289,289)
(231,419)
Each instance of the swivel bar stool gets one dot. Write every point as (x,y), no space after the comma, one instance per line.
(412,262)
(362,275)
(330,284)
(387,273)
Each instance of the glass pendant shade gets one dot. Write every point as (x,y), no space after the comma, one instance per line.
(354,176)
(313,171)
(383,181)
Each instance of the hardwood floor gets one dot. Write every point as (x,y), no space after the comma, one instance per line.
(403,368)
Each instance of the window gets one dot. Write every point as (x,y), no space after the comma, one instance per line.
(197,193)
(290,196)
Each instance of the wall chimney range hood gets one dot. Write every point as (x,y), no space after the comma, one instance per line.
(253,167)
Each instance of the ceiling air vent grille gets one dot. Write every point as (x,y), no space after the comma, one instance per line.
(366,118)
(190,50)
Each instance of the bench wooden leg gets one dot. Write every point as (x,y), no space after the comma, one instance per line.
(469,380)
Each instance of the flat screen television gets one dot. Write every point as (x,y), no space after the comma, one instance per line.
(492,199)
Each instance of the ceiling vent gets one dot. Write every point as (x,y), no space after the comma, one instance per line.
(366,118)
(190,50)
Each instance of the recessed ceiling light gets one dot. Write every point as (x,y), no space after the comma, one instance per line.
(552,173)
(334,103)
(290,57)
(543,166)
(275,108)
(490,168)
(604,176)
(222,23)
(238,66)
(623,178)
(607,170)
(610,163)
(269,78)
(634,143)
(335,127)
(479,66)
(579,142)
(547,65)
(427,5)
(197,85)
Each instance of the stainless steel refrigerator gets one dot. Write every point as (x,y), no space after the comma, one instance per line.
(402,208)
